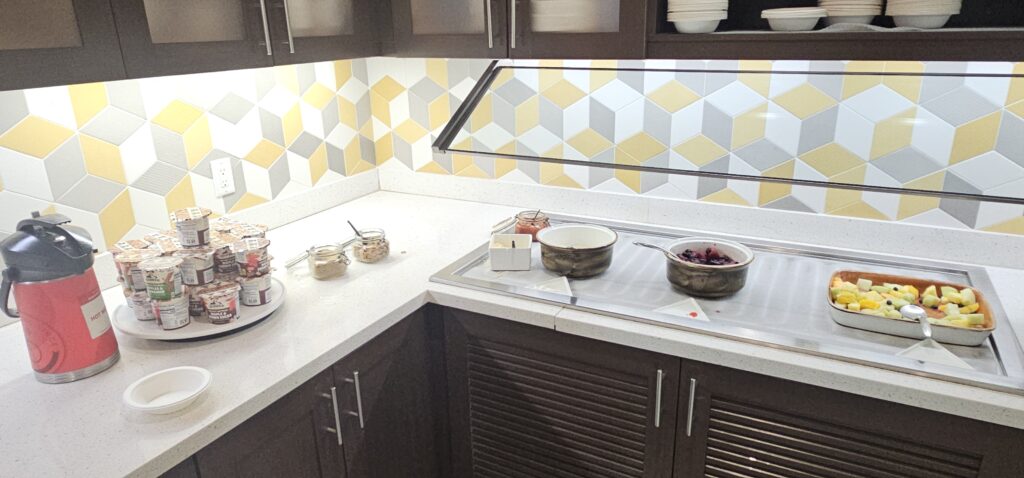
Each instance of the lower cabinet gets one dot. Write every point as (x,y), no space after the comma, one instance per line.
(530,402)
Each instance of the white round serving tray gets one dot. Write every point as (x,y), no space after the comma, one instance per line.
(126,322)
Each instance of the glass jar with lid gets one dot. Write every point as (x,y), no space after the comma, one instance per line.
(370,246)
(327,262)
(531,222)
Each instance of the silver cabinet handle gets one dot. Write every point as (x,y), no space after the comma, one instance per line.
(288,27)
(490,25)
(689,408)
(657,400)
(359,398)
(337,420)
(266,27)
(512,20)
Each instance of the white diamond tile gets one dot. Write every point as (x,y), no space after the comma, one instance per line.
(629,121)
(782,128)
(735,99)
(854,132)
(279,100)
(878,103)
(312,120)
(686,123)
(257,180)
(17,207)
(576,118)
(24,174)
(988,170)
(615,95)
(539,139)
(149,209)
(933,136)
(298,169)
(138,154)
(53,104)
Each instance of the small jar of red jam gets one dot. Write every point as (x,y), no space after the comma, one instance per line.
(531,222)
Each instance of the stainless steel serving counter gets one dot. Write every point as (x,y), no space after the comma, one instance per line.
(784,303)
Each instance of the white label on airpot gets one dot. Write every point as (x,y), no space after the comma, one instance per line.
(96,318)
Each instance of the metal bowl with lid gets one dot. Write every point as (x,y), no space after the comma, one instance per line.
(577,251)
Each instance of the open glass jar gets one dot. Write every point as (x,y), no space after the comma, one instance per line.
(371,246)
(327,262)
(531,222)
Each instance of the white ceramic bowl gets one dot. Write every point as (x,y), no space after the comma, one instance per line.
(168,390)
(743,255)
(577,236)
(697,26)
(859,19)
(793,24)
(921,21)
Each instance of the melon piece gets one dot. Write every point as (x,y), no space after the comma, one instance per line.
(930,301)
(845,297)
(970,309)
(893,314)
(962,323)
(951,310)
(864,285)
(930,291)
(968,297)
(854,306)
(899,303)
(975,319)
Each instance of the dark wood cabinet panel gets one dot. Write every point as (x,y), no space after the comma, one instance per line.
(58,57)
(450,28)
(315,30)
(288,438)
(392,402)
(617,36)
(185,469)
(747,425)
(531,402)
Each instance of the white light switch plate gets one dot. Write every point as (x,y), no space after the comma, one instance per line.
(223,177)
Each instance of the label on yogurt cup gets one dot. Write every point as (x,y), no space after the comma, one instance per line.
(256,290)
(172,314)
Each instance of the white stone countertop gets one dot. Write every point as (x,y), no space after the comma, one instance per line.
(82,429)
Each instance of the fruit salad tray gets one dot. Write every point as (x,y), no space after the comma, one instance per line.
(959,314)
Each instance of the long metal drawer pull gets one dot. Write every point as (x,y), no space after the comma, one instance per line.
(490,24)
(689,408)
(359,398)
(288,27)
(266,27)
(657,400)
(337,418)
(512,33)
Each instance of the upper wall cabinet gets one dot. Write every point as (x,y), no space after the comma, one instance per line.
(577,28)
(57,42)
(451,28)
(164,37)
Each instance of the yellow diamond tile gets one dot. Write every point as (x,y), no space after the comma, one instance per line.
(433,167)
(770,192)
(548,78)
(472,171)
(292,125)
(264,154)
(347,113)
(673,96)
(439,111)
(599,78)
(893,134)
(198,142)
(342,73)
(181,195)
(504,76)
(35,136)
(563,94)
(749,127)
(974,138)
(383,148)
(550,171)
(380,108)
(87,101)
(1017,108)
(831,160)
(247,201)
(318,163)
(508,148)
(726,196)
(437,71)
(318,96)
(805,101)
(642,147)
(836,199)
(1016,93)
(590,143)
(914,205)
(1013,226)
(388,88)
(907,86)
(527,115)
(700,150)
(354,163)
(630,178)
(860,209)
(460,162)
(178,116)
(117,218)
(482,115)
(855,84)
(102,159)
(410,131)
(503,166)
(759,82)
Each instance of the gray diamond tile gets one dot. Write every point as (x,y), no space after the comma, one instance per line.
(956,184)
(401,150)
(335,159)
(65,167)
(265,81)
(551,116)
(306,74)
(717,125)
(763,155)
(271,127)
(530,168)
(113,125)
(232,108)
(419,110)
(503,115)
(127,96)
(169,146)
(91,194)
(329,115)
(1011,138)
(789,203)
(13,108)
(160,178)
(485,164)
(907,165)
(818,130)
(602,119)
(598,176)
(427,90)
(279,176)
(963,210)
(305,145)
(960,106)
(359,71)
(657,122)
(363,112)
(367,150)
(933,87)
(651,181)
(633,79)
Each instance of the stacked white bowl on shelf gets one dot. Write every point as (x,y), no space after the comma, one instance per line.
(797,19)
(922,13)
(851,11)
(574,15)
(697,16)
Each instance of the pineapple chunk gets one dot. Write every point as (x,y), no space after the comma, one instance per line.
(951,310)
(873,296)
(968,296)
(913,291)
(864,285)
(970,309)
(845,298)
(930,291)
(869,304)
(899,303)
(954,298)
(836,282)
(881,289)
(893,314)
(975,319)
(962,323)
(841,306)
(946,290)
(909,297)
(854,306)
(930,301)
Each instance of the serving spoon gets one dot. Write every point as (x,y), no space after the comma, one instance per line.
(656,247)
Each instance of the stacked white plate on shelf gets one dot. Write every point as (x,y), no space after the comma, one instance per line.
(794,19)
(697,16)
(851,11)
(574,15)
(922,13)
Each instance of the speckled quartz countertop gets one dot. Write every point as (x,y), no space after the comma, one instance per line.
(82,429)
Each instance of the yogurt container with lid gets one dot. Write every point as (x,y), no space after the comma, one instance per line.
(128,272)
(222,304)
(223,258)
(252,256)
(193,225)
(245,231)
(172,314)
(223,224)
(197,266)
(255,290)
(163,277)
(141,306)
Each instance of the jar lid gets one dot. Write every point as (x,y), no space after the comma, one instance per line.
(160,263)
(371,234)
(531,216)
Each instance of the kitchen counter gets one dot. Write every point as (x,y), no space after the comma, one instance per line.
(82,428)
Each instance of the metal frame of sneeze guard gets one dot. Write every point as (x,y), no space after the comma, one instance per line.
(443,144)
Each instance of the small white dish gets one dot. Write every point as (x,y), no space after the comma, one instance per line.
(696,26)
(927,22)
(511,252)
(793,24)
(168,390)
(858,19)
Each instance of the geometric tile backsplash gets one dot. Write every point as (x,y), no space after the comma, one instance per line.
(117,156)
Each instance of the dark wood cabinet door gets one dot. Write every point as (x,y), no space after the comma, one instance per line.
(391,398)
(530,402)
(57,42)
(304,31)
(751,426)
(451,28)
(288,438)
(185,469)
(597,29)
(167,37)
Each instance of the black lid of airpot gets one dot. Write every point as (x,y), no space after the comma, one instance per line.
(46,248)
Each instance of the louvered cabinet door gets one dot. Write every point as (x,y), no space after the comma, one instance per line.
(751,426)
(530,402)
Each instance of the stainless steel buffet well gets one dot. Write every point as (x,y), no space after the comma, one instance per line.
(783,305)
